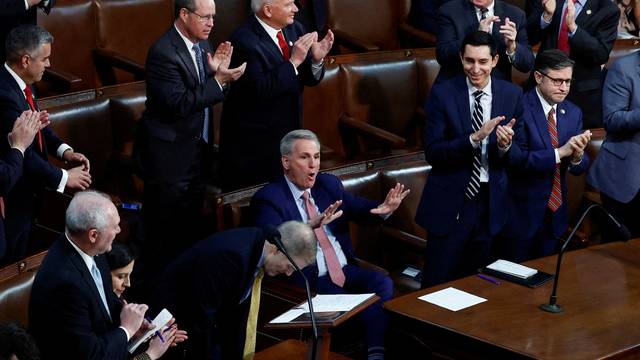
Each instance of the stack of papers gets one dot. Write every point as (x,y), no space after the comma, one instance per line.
(324,303)
(452,299)
(512,269)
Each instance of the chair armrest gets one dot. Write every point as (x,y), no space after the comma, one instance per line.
(422,38)
(369,266)
(114,59)
(404,237)
(365,129)
(353,42)
(62,79)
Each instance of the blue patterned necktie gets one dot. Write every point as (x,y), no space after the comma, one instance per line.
(97,278)
(205,128)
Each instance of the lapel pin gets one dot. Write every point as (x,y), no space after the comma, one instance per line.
(562,111)
(589,12)
(290,43)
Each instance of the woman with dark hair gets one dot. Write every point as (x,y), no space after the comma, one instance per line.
(121,260)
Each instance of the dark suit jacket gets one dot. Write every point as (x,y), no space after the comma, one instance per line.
(458,18)
(203,288)
(13,14)
(424,14)
(534,165)
(616,171)
(274,204)
(169,139)
(262,106)
(313,15)
(38,172)
(10,172)
(66,315)
(449,151)
(590,47)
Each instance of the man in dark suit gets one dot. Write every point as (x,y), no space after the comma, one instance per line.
(28,50)
(266,103)
(303,193)
(506,24)
(14,13)
(548,141)
(586,31)
(11,163)
(210,286)
(73,311)
(312,14)
(464,201)
(616,170)
(175,138)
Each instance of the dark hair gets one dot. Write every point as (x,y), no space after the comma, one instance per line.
(25,40)
(553,59)
(480,38)
(121,255)
(187,4)
(15,340)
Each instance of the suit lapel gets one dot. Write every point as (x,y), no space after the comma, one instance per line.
(290,204)
(540,118)
(585,13)
(462,102)
(262,34)
(561,124)
(183,53)
(18,93)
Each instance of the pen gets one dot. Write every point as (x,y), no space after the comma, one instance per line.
(489,279)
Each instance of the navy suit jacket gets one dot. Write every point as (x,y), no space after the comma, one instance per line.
(66,315)
(262,106)
(38,172)
(203,288)
(274,204)
(457,19)
(449,150)
(533,166)
(11,165)
(616,171)
(170,135)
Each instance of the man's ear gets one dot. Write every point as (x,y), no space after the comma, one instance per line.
(93,235)
(285,162)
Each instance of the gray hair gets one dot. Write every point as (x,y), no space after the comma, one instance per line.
(25,40)
(299,240)
(286,144)
(87,210)
(256,5)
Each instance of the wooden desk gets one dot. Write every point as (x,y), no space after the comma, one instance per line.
(289,350)
(599,289)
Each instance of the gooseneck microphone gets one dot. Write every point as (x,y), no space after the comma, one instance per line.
(552,306)
(273,237)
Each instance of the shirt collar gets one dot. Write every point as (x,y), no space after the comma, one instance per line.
(295,190)
(489,8)
(472,89)
(545,105)
(187,42)
(273,33)
(88,260)
(17,78)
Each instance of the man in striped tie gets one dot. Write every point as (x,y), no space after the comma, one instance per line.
(463,204)
(548,141)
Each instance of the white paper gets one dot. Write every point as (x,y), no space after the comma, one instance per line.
(512,268)
(158,323)
(409,271)
(341,302)
(452,299)
(288,316)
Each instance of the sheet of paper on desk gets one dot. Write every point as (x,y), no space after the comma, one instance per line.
(452,299)
(341,302)
(288,316)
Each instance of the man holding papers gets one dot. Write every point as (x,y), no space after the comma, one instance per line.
(214,287)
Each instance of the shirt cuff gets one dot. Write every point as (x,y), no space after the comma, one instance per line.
(511,57)
(543,22)
(473,143)
(316,69)
(504,150)
(126,333)
(294,68)
(555,151)
(574,32)
(13,147)
(61,149)
(574,163)
(26,5)
(63,181)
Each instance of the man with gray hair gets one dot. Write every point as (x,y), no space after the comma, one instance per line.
(73,311)
(266,103)
(303,194)
(28,50)
(214,287)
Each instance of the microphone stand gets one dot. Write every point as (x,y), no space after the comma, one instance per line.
(552,306)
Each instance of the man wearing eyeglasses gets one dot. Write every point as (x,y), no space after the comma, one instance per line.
(174,141)
(548,141)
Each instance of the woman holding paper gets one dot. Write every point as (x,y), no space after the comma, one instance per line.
(121,260)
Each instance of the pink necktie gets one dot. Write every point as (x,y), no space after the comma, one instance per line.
(333,265)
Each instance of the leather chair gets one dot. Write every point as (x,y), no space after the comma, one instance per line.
(15,289)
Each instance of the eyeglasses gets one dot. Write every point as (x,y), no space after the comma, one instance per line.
(201,18)
(557,82)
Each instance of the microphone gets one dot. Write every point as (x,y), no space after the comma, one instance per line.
(273,237)
(552,306)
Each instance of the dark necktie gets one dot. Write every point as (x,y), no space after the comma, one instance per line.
(555,200)
(205,127)
(476,123)
(283,46)
(29,95)
(483,13)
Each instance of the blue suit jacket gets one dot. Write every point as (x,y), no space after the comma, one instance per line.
(457,19)
(449,151)
(616,171)
(262,106)
(66,315)
(534,163)
(274,204)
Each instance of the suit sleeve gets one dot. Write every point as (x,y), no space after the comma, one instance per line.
(534,10)
(12,8)
(594,49)
(525,160)
(448,44)
(584,163)
(616,96)
(264,212)
(10,170)
(523,60)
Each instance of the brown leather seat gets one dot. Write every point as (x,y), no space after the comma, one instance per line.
(15,289)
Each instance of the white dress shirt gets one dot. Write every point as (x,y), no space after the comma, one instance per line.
(485,101)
